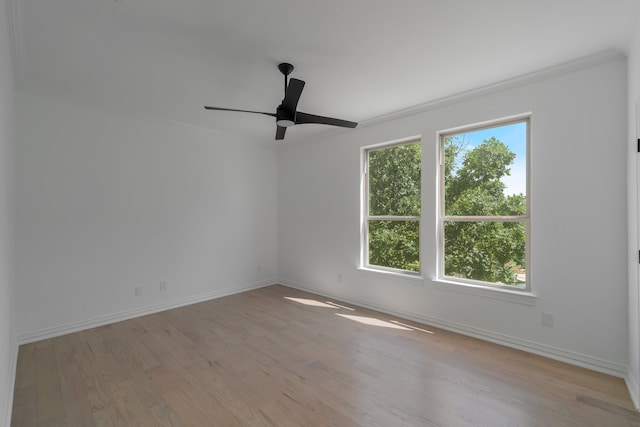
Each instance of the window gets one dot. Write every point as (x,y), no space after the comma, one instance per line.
(391,220)
(484,209)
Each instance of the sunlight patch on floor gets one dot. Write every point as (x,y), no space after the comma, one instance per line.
(412,327)
(372,321)
(312,302)
(341,306)
(366,320)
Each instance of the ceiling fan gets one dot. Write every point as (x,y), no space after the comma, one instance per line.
(286,114)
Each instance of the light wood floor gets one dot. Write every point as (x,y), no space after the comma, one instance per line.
(261,359)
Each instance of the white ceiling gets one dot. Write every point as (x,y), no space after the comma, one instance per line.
(360,58)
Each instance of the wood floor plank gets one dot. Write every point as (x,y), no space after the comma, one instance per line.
(24,399)
(164,416)
(278,356)
(49,399)
(77,408)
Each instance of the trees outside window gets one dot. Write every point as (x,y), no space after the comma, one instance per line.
(483,207)
(392,207)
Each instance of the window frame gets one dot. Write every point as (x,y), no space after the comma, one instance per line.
(366,218)
(442,218)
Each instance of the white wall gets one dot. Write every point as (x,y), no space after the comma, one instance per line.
(633,377)
(578,202)
(107,202)
(7,342)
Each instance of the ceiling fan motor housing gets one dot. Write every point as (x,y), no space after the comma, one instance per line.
(285,117)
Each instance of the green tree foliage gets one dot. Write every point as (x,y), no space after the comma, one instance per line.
(394,180)
(394,190)
(487,250)
(395,244)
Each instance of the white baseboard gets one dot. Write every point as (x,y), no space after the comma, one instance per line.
(6,404)
(555,353)
(633,387)
(81,325)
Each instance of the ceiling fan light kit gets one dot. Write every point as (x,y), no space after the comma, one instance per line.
(285,123)
(286,114)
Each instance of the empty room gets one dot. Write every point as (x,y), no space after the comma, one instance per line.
(319,213)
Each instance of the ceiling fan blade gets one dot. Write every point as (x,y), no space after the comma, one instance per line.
(292,95)
(280,131)
(287,113)
(302,118)
(240,111)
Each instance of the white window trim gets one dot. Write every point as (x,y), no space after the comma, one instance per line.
(365,218)
(476,287)
(519,296)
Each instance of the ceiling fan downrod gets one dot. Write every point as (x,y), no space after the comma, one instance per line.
(286,69)
(284,117)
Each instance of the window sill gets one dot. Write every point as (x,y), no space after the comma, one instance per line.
(519,297)
(409,277)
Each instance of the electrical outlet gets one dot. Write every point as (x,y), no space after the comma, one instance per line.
(139,290)
(163,285)
(547,320)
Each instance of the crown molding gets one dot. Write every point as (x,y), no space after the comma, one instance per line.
(15,12)
(577,64)
(517,81)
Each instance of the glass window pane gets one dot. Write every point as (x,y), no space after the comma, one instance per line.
(486,171)
(395,244)
(394,180)
(486,251)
